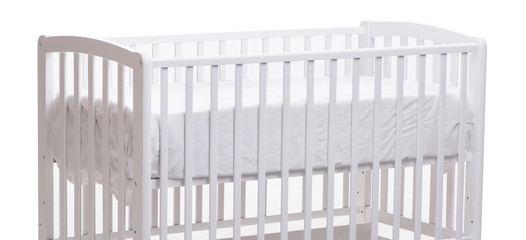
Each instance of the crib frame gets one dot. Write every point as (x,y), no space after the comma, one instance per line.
(469,55)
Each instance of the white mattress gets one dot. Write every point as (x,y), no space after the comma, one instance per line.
(249,129)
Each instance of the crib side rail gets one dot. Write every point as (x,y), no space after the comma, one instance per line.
(70,67)
(471,82)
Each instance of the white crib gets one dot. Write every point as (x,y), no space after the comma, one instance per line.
(369,132)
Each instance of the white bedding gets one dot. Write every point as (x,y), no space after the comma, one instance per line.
(249,130)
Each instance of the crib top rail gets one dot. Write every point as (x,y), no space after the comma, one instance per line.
(314,55)
(236,35)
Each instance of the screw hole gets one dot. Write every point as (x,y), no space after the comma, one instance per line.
(40,44)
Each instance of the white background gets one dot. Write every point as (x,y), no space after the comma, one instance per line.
(500,22)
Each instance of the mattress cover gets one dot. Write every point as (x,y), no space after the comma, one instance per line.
(249,132)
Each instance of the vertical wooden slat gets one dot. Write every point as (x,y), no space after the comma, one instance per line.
(387,60)
(262,140)
(398,145)
(177,71)
(328,46)
(453,69)
(285,123)
(376,146)
(244,50)
(309,153)
(436,63)
(122,158)
(307,47)
(177,205)
(200,69)
(348,71)
(90,214)
(214,78)
(355,119)
(106,194)
(384,189)
(78,184)
(417,180)
(188,153)
(163,165)
(462,146)
(63,159)
(331,148)
(432,193)
(155,72)
(222,69)
(237,150)
(441,142)
(404,43)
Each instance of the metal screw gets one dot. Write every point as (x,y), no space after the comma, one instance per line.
(467,198)
(43,202)
(39,43)
(140,62)
(471,221)
(135,182)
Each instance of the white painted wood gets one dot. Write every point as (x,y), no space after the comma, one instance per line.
(330,148)
(106,194)
(121,159)
(417,193)
(78,184)
(163,165)
(178,72)
(462,139)
(214,78)
(188,155)
(237,35)
(453,69)
(348,62)
(328,46)
(416,31)
(376,147)
(63,158)
(306,56)
(222,51)
(285,121)
(307,47)
(237,150)
(387,60)
(155,76)
(400,66)
(309,153)
(262,140)
(441,142)
(200,52)
(90,193)
(354,146)
(244,50)
(436,65)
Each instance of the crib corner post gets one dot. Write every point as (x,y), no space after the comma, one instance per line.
(45,165)
(141,143)
(474,170)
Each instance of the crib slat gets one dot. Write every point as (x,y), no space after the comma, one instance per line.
(307,47)
(262,140)
(177,71)
(417,182)
(244,50)
(440,153)
(188,154)
(214,78)
(462,142)
(387,60)
(330,148)
(122,159)
(348,66)
(384,189)
(376,146)
(90,193)
(398,145)
(403,43)
(163,165)
(328,46)
(453,69)
(106,194)
(200,52)
(355,119)
(63,161)
(78,184)
(436,63)
(309,142)
(222,69)
(177,206)
(285,122)
(155,54)
(237,150)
